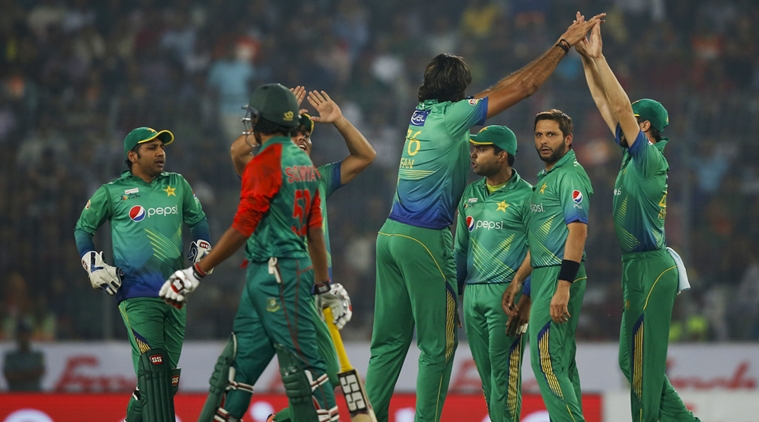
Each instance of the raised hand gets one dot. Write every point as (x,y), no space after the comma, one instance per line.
(300,94)
(580,47)
(328,110)
(594,44)
(580,28)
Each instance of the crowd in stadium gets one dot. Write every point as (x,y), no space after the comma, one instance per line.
(77,75)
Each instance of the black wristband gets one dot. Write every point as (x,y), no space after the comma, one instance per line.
(323,287)
(198,272)
(569,270)
(564,45)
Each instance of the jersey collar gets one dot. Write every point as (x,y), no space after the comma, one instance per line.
(127,174)
(510,184)
(567,158)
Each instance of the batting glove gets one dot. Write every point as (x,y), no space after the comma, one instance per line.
(183,282)
(199,249)
(338,301)
(102,276)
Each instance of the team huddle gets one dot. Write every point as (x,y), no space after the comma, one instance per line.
(516,260)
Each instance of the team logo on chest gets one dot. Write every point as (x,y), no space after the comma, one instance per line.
(137,213)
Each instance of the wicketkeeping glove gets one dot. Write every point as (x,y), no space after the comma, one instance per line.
(199,249)
(338,301)
(183,282)
(102,276)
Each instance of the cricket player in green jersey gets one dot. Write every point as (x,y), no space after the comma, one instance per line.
(557,226)
(146,207)
(333,176)
(651,272)
(491,247)
(415,265)
(279,221)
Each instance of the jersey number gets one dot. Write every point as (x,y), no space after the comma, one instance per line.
(302,196)
(413,143)
(663,206)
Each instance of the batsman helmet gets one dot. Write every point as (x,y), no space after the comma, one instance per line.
(274,103)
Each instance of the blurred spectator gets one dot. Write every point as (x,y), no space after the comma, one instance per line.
(23,368)
(230,78)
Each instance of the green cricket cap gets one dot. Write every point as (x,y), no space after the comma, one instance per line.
(653,111)
(141,135)
(500,136)
(305,121)
(276,104)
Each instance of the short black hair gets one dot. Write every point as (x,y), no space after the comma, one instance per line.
(445,79)
(267,127)
(564,121)
(136,150)
(510,159)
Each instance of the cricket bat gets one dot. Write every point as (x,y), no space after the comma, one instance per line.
(350,382)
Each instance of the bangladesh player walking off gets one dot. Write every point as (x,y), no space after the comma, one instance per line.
(146,207)
(333,176)
(279,222)
(491,246)
(415,265)
(557,226)
(650,272)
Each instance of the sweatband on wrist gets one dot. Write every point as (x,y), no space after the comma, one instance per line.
(320,288)
(563,44)
(569,270)
(198,272)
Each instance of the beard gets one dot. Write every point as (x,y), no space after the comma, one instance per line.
(486,170)
(555,155)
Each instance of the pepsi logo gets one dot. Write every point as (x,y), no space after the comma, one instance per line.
(137,213)
(470,222)
(577,196)
(156,359)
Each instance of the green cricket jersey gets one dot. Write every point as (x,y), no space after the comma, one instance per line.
(640,195)
(561,196)
(279,202)
(490,239)
(146,228)
(328,184)
(435,162)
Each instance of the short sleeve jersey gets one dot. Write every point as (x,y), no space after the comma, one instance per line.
(328,184)
(279,202)
(435,162)
(146,227)
(490,234)
(640,195)
(561,196)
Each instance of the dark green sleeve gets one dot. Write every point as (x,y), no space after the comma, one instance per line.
(330,177)
(96,212)
(462,245)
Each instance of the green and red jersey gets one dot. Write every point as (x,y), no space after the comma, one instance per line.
(146,228)
(279,202)
(640,195)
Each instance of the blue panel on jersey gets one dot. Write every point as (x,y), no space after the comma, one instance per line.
(419,117)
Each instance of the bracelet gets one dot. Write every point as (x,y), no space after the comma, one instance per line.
(564,45)
(197,271)
(323,287)
(569,270)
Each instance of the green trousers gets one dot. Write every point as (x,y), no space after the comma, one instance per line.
(327,352)
(553,347)
(152,323)
(498,356)
(415,286)
(271,312)
(649,287)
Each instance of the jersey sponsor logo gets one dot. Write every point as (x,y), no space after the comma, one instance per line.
(138,212)
(473,224)
(473,101)
(577,197)
(419,117)
(131,191)
(536,208)
(300,174)
(617,191)
(89,204)
(156,359)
